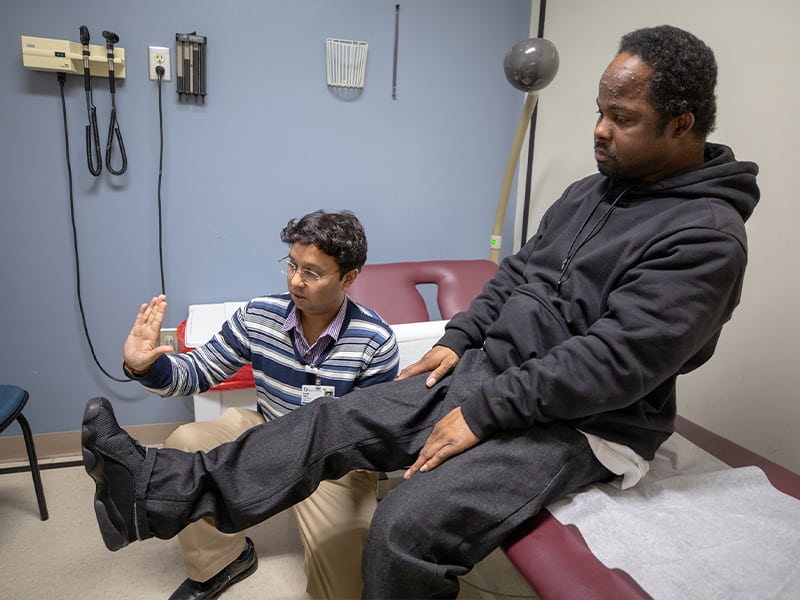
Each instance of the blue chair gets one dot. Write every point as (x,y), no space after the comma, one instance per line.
(12,401)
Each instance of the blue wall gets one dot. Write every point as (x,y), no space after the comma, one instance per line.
(270,143)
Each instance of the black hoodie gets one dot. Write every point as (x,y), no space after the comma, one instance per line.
(625,286)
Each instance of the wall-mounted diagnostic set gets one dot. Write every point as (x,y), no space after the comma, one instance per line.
(63,56)
(83,58)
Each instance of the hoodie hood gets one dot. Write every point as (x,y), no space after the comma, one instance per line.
(720,176)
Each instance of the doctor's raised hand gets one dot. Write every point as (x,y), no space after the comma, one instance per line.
(141,348)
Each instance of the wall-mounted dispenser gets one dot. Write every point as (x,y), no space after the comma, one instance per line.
(191,66)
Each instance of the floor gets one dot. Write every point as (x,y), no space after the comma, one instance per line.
(64,557)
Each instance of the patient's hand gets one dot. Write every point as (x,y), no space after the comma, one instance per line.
(439,360)
(141,348)
(449,437)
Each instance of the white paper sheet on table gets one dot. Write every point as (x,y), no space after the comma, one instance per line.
(694,528)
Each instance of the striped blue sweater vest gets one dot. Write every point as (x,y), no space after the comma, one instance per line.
(365,354)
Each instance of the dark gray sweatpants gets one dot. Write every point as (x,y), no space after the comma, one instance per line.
(428,531)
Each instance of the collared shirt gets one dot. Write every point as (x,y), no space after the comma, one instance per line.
(312,352)
(364,353)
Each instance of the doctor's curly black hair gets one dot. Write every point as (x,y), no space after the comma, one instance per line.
(339,235)
(684,73)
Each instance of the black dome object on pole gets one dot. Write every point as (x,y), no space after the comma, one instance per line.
(529,66)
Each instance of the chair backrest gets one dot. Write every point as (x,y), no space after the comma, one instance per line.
(391,288)
(12,401)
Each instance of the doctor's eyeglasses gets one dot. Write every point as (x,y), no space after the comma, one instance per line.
(308,276)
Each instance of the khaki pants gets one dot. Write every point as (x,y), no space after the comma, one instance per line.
(333,521)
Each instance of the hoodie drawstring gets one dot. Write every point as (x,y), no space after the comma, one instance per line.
(573,249)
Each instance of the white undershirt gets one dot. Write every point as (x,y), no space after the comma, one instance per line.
(619,459)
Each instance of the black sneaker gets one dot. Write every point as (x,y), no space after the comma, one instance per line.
(241,568)
(113,459)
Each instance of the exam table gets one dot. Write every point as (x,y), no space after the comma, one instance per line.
(708,484)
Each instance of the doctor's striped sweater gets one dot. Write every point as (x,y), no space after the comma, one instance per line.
(365,354)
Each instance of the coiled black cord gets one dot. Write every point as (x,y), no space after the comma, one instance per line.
(61,80)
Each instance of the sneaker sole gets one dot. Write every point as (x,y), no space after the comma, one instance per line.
(111,523)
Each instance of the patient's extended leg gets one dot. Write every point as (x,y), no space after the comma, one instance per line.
(143,492)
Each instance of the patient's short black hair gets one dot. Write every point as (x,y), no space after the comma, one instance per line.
(339,235)
(684,73)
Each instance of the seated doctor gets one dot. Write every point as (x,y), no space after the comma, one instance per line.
(312,341)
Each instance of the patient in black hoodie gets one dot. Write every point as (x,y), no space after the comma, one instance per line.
(561,373)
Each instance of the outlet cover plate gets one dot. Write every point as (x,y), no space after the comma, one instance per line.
(158,55)
(169,337)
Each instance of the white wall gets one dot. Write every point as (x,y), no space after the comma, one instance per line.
(749,391)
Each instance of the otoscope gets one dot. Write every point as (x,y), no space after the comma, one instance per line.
(113,125)
(96,162)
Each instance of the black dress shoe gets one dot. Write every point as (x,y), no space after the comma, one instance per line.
(115,461)
(241,568)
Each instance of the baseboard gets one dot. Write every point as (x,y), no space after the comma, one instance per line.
(68,443)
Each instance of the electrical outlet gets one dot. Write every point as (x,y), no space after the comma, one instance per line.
(158,56)
(169,337)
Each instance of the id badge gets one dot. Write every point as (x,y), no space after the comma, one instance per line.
(312,392)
